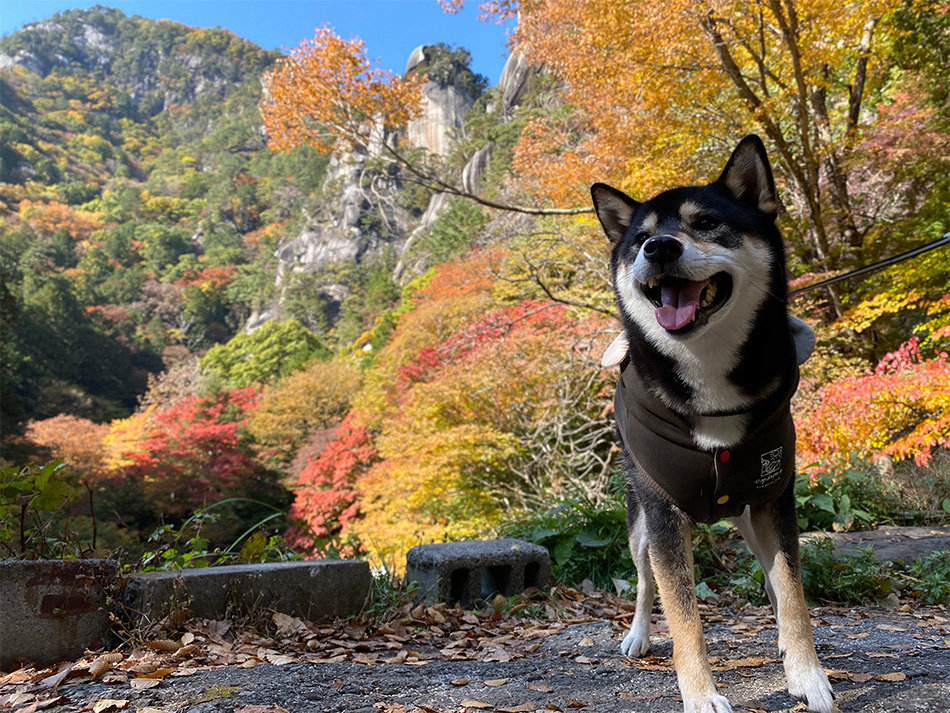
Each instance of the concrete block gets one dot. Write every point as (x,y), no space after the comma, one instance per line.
(52,610)
(472,572)
(310,590)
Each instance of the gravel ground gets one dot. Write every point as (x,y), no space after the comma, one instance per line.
(879,660)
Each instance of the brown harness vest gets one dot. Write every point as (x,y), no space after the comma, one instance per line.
(706,485)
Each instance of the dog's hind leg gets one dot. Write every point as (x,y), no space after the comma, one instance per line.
(671,557)
(744,523)
(772,534)
(637,640)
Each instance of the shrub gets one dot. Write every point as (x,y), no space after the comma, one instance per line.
(187,545)
(930,578)
(855,498)
(585,541)
(900,409)
(844,578)
(34,512)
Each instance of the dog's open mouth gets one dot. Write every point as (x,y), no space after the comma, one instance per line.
(682,304)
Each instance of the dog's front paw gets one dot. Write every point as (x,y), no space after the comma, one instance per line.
(706,704)
(811,686)
(635,643)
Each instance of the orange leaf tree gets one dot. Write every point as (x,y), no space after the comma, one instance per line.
(484,401)
(849,96)
(653,86)
(78,441)
(436,304)
(501,417)
(327,91)
(484,410)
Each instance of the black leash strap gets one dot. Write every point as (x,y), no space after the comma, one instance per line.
(887,262)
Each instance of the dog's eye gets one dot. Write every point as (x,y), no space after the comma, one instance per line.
(641,237)
(705,222)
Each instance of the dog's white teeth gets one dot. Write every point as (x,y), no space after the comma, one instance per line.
(653,282)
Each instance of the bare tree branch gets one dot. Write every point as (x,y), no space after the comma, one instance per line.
(431,180)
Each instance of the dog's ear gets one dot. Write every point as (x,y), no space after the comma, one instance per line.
(748,176)
(614,208)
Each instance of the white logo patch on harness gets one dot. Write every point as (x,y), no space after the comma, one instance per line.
(771,468)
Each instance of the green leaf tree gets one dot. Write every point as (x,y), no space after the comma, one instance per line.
(275,349)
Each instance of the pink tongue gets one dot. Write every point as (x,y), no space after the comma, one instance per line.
(680,302)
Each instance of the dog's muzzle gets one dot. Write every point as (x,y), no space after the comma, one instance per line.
(681,303)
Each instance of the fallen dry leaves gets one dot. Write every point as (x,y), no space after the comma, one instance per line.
(107,705)
(102,664)
(420,634)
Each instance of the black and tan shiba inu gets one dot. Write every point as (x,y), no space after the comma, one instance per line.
(709,360)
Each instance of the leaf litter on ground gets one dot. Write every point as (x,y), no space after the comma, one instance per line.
(415,635)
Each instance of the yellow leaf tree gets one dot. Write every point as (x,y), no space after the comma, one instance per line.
(314,398)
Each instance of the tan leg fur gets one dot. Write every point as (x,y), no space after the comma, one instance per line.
(806,678)
(673,569)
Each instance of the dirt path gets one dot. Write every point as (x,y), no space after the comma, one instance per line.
(879,660)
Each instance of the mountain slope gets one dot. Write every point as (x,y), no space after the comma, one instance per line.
(138,196)
(140,207)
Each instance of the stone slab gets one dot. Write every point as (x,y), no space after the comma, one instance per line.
(310,590)
(891,544)
(474,571)
(52,610)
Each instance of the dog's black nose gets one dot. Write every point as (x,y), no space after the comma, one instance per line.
(662,248)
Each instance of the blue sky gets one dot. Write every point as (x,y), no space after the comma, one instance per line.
(391,29)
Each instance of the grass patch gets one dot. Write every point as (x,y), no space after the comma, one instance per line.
(851,577)
(929,579)
(389,595)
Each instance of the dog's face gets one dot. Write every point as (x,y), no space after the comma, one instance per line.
(697,259)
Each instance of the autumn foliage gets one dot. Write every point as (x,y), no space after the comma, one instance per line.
(437,303)
(52,216)
(483,407)
(327,500)
(315,398)
(328,91)
(470,394)
(900,409)
(194,453)
(77,441)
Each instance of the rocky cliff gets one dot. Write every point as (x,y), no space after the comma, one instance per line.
(444,106)
(173,80)
(365,215)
